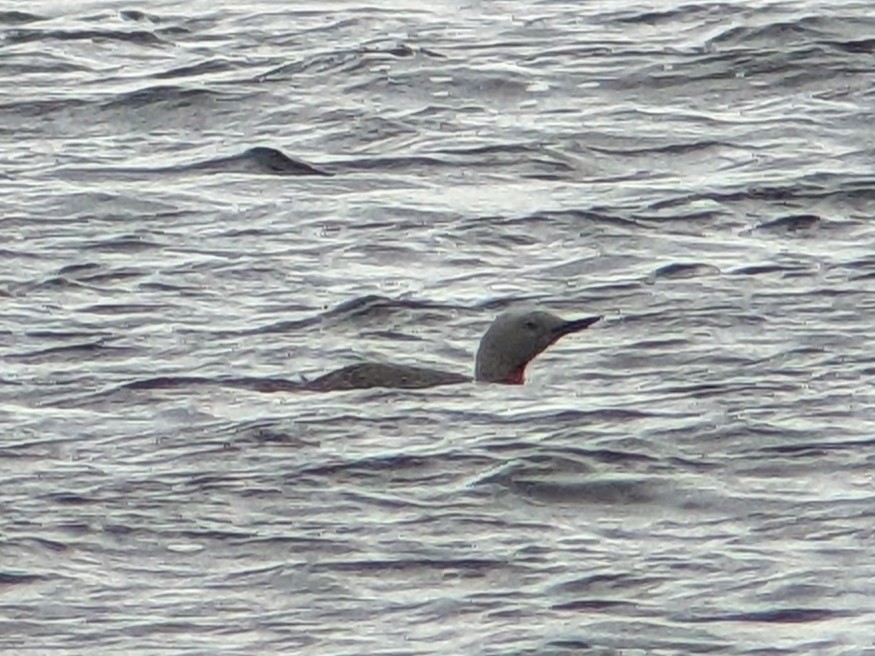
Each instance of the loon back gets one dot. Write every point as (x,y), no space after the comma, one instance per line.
(377,374)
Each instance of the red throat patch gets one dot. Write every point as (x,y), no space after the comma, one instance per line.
(517,377)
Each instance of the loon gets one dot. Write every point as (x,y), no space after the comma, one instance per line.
(513,340)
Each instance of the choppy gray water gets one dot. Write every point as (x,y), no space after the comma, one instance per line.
(693,475)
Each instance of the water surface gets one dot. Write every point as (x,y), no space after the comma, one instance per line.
(693,475)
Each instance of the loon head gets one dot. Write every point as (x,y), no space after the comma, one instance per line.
(515,338)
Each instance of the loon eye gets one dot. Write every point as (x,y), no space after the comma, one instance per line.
(531,325)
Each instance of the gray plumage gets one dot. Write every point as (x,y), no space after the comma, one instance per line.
(510,343)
